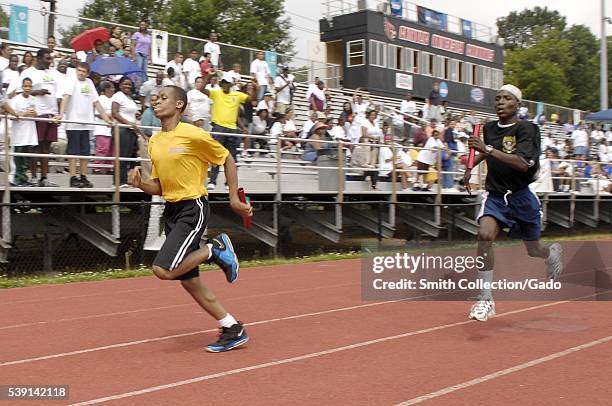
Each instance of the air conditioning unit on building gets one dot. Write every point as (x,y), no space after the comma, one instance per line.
(384,8)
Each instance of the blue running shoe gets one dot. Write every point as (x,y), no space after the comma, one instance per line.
(223,255)
(229,338)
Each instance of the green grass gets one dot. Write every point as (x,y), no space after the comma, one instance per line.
(70,277)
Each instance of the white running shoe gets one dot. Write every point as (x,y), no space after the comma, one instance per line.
(211,186)
(554,262)
(482,310)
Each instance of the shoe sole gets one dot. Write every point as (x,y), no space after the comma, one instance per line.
(555,277)
(487,317)
(237,344)
(228,243)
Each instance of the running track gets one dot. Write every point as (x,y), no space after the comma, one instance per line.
(313,341)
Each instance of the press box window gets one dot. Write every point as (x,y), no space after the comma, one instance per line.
(396,57)
(378,53)
(355,53)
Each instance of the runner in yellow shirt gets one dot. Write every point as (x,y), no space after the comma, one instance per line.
(180,155)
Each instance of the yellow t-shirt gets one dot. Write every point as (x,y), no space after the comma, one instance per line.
(180,161)
(225,107)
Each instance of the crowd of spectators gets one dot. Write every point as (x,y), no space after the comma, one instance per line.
(426,140)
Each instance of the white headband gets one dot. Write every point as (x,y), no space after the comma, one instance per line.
(515,91)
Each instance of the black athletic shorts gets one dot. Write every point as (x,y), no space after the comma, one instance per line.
(185,223)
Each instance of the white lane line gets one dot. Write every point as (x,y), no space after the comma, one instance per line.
(234,299)
(494,375)
(151,340)
(93,316)
(301,357)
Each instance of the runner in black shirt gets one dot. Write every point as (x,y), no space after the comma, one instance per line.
(511,149)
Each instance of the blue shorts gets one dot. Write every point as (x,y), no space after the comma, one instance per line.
(518,211)
(581,151)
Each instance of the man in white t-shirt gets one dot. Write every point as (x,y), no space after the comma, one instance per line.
(151,87)
(261,71)
(177,65)
(46,85)
(215,51)
(234,77)
(191,69)
(284,86)
(408,106)
(11,73)
(580,139)
(78,100)
(23,134)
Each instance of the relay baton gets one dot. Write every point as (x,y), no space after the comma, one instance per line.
(242,196)
(472,155)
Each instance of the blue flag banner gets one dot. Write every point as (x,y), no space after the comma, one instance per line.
(466,28)
(18,24)
(271,59)
(396,7)
(432,18)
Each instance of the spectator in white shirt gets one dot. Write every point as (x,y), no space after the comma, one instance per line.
(102,133)
(124,110)
(151,87)
(308,124)
(78,102)
(267,103)
(359,107)
(284,86)
(191,69)
(213,83)
(23,136)
(198,107)
(46,85)
(177,65)
(580,140)
(5,54)
(259,126)
(234,76)
(215,51)
(408,106)
(261,72)
(11,73)
(597,134)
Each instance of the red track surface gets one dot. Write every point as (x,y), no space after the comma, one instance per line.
(313,341)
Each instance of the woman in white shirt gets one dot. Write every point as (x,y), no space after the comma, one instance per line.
(360,107)
(102,133)
(124,110)
(371,134)
(259,126)
(199,106)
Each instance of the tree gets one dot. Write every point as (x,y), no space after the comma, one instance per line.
(573,53)
(539,69)
(4,19)
(517,29)
(122,11)
(251,23)
(583,72)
